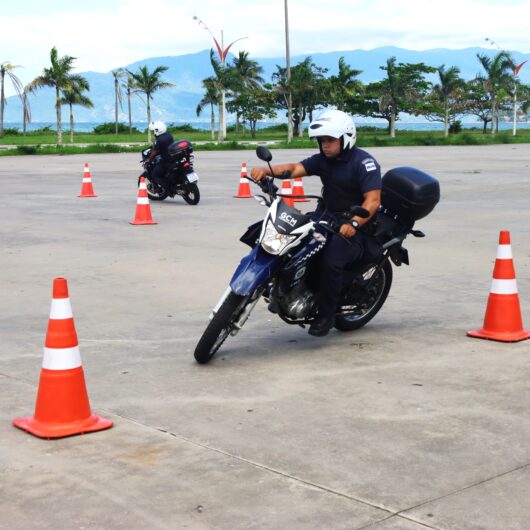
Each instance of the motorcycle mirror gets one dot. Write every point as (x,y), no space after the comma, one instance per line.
(263,153)
(261,199)
(359,211)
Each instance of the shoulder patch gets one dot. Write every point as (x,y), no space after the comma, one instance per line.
(369,164)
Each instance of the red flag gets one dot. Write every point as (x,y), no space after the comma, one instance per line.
(517,68)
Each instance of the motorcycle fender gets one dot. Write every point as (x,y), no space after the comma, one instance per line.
(253,271)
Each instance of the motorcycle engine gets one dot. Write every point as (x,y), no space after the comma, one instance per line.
(299,302)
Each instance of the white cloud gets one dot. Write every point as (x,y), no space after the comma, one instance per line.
(131,30)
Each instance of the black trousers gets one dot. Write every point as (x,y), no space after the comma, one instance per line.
(338,255)
(158,173)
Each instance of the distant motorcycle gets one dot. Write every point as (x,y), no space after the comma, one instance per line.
(180,178)
(286,246)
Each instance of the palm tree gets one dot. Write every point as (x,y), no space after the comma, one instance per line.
(148,83)
(211,97)
(128,86)
(6,69)
(449,85)
(224,81)
(59,77)
(117,74)
(74,96)
(26,110)
(497,78)
(345,85)
(247,76)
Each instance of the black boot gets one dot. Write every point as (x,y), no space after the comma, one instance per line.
(321,326)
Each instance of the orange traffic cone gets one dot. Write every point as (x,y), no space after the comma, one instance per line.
(143,210)
(503,313)
(244,185)
(62,407)
(298,189)
(286,190)
(86,189)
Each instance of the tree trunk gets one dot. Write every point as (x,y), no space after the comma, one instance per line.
(148,120)
(58,112)
(116,105)
(446,122)
(301,122)
(493,115)
(289,118)
(223,121)
(484,125)
(514,132)
(253,128)
(71,124)
(221,136)
(2,104)
(212,121)
(392,124)
(129,105)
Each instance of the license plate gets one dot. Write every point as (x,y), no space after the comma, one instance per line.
(192,177)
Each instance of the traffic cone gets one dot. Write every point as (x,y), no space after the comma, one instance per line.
(62,407)
(298,189)
(286,190)
(244,185)
(503,313)
(143,210)
(86,188)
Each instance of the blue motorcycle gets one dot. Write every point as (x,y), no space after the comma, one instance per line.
(282,267)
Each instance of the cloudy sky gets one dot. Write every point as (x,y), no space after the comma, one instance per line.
(105,34)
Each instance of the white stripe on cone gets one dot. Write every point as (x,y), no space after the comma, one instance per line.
(87,180)
(503,286)
(143,185)
(143,200)
(61,358)
(504,252)
(61,309)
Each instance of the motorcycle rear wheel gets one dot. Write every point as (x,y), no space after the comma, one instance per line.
(219,327)
(356,315)
(192,195)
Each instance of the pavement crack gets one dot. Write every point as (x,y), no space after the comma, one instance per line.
(402,513)
(261,466)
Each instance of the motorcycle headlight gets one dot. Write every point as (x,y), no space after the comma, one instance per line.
(273,242)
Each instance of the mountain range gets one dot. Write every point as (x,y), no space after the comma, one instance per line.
(186,72)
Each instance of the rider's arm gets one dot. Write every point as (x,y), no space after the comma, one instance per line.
(297,170)
(371,202)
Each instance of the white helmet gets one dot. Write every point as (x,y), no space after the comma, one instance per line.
(158,127)
(336,124)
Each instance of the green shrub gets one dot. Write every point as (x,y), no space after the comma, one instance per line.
(27,149)
(455,127)
(110,128)
(10,131)
(184,128)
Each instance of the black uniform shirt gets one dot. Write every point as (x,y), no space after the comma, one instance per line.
(346,178)
(163,141)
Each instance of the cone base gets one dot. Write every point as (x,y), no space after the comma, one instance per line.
(135,222)
(87,195)
(59,430)
(515,336)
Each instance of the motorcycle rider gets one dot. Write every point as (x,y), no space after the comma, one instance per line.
(163,141)
(350,176)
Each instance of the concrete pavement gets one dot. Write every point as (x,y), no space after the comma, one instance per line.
(404,424)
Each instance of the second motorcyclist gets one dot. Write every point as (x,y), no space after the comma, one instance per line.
(163,140)
(350,176)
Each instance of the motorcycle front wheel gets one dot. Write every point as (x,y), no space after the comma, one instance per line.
(219,327)
(365,297)
(159,195)
(192,195)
